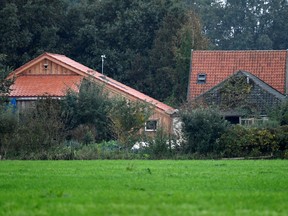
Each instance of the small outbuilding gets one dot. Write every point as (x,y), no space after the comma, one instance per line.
(53,74)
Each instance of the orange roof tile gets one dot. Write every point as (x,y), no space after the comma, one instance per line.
(269,66)
(111,82)
(80,70)
(36,86)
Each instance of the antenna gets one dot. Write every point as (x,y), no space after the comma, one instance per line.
(103,57)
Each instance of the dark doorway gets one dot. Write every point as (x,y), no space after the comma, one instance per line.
(233,119)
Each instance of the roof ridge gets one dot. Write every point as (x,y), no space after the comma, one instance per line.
(97,75)
(48,53)
(263,84)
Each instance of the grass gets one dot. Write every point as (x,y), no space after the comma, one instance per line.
(144,187)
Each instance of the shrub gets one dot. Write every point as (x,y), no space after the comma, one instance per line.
(8,126)
(281,137)
(89,107)
(280,114)
(239,141)
(87,152)
(83,133)
(202,128)
(128,117)
(158,147)
(40,127)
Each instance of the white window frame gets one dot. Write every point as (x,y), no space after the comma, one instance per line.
(156,126)
(201,78)
(252,121)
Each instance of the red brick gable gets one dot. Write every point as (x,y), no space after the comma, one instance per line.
(269,66)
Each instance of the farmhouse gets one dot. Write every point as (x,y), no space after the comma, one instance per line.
(241,83)
(53,74)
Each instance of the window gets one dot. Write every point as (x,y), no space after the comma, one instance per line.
(201,78)
(247,121)
(253,121)
(151,125)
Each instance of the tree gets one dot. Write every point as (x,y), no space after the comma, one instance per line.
(132,34)
(89,107)
(190,37)
(13,37)
(5,84)
(277,25)
(244,24)
(8,125)
(128,117)
(202,128)
(29,28)
(171,55)
(8,119)
(40,127)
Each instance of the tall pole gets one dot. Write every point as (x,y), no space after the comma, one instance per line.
(103,57)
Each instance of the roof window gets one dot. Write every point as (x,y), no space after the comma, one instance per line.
(201,78)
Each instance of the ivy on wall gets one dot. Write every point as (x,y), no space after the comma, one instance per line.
(234,95)
(235,92)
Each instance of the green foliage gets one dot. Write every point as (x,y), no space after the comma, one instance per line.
(8,119)
(5,84)
(235,92)
(235,95)
(239,141)
(190,36)
(160,146)
(87,111)
(163,31)
(90,115)
(281,138)
(128,117)
(244,24)
(40,127)
(155,58)
(170,55)
(82,133)
(280,113)
(8,126)
(202,128)
(29,28)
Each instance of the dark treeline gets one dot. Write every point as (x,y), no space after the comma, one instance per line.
(147,42)
(244,24)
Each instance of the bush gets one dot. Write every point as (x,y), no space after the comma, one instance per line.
(158,147)
(128,117)
(281,137)
(40,127)
(8,126)
(87,152)
(239,141)
(202,128)
(83,133)
(279,114)
(88,109)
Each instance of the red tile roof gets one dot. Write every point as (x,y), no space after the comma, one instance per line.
(55,87)
(269,66)
(40,85)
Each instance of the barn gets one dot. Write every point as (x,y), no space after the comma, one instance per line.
(53,74)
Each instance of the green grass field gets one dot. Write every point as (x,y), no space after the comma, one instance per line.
(144,187)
